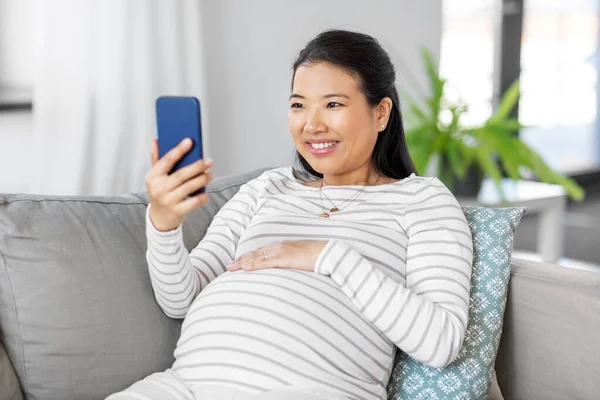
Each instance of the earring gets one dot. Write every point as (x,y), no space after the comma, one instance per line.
(383,126)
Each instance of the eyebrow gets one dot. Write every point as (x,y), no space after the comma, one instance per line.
(327,96)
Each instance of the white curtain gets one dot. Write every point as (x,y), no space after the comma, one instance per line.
(102,63)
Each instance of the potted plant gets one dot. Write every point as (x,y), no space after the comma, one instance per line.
(464,154)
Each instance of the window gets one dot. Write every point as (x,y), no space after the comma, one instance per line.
(559,69)
(559,81)
(467,55)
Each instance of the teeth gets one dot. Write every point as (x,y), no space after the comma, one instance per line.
(322,145)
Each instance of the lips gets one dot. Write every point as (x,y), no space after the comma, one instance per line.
(324,151)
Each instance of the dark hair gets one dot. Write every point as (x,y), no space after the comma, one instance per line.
(362,56)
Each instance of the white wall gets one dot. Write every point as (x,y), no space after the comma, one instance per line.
(251,46)
(17,64)
(15,140)
(17,42)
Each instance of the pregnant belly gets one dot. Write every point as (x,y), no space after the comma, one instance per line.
(274,328)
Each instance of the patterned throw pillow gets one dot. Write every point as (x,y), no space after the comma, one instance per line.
(469,377)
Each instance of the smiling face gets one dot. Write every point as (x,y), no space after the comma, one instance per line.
(333,126)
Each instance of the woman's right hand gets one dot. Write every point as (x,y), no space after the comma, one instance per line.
(167,193)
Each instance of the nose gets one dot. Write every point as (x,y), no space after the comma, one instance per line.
(314,123)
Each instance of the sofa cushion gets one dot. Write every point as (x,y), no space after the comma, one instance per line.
(469,377)
(78,315)
(9,385)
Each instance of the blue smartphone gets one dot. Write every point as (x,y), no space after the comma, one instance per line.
(177,118)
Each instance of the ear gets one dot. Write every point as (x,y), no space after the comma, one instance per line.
(382,112)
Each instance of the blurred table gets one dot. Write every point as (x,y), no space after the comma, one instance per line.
(549,201)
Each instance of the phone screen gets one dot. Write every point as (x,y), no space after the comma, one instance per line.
(177,118)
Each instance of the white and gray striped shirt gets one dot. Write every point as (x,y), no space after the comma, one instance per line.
(395,272)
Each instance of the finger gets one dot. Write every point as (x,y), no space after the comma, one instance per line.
(191,171)
(236,264)
(166,163)
(154,151)
(258,261)
(192,185)
(195,168)
(233,267)
(184,175)
(191,203)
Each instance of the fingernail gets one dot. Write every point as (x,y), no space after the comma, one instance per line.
(187,141)
(208,161)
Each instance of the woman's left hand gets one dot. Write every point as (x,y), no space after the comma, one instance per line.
(296,254)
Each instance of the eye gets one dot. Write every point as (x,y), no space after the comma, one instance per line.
(333,104)
(297,105)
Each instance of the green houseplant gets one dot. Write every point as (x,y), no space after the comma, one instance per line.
(472,151)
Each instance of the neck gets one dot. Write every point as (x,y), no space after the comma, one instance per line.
(360,176)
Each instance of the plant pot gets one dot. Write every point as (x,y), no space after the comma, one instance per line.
(467,186)
(470,184)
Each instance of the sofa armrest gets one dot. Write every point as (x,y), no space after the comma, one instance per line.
(550,345)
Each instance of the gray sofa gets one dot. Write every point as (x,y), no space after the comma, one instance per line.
(78,318)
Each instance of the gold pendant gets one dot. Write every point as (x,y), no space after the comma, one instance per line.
(334,209)
(324,215)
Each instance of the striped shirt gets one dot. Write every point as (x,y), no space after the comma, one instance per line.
(395,273)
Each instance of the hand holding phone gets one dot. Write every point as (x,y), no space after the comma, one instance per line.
(168,193)
(178,174)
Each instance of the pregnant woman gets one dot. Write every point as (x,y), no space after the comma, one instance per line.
(309,280)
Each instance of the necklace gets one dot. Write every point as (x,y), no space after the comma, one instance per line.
(337,208)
